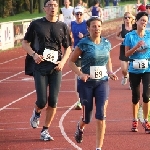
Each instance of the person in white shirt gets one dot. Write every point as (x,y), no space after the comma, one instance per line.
(67,13)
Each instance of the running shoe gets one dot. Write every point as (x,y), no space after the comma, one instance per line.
(124,80)
(45,136)
(78,106)
(146,126)
(79,134)
(134,126)
(34,120)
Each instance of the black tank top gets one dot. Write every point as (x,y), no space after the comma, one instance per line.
(124,31)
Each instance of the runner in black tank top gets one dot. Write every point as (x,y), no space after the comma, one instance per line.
(120,35)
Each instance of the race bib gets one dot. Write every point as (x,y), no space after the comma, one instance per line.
(140,63)
(68,17)
(97,72)
(50,55)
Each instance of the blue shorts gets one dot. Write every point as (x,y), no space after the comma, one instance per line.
(87,91)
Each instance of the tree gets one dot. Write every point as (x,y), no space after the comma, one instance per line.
(31,6)
(6,8)
(40,3)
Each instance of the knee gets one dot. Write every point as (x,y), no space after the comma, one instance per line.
(135,101)
(52,102)
(135,98)
(100,117)
(145,99)
(40,105)
(100,113)
(86,120)
(53,105)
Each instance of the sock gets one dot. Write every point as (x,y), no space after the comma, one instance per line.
(135,119)
(44,128)
(37,114)
(98,149)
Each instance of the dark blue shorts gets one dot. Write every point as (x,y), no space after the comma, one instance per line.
(87,91)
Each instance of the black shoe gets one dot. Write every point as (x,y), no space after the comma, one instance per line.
(78,134)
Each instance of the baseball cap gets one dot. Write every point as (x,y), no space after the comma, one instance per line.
(79,9)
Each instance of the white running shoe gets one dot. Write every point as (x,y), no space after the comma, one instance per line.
(34,120)
(45,136)
(124,80)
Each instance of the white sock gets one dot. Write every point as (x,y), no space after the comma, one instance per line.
(98,149)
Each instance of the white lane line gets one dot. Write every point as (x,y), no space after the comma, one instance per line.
(12,108)
(11,60)
(63,131)
(66,73)
(11,76)
(115,46)
(4,107)
(110,35)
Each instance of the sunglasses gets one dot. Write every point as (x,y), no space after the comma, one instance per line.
(147,7)
(79,14)
(127,17)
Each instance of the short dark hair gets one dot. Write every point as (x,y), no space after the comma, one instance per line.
(138,16)
(93,18)
(49,0)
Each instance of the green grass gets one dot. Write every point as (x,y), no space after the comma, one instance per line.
(24,15)
(27,15)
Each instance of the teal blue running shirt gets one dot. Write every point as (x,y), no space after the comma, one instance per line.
(131,40)
(93,54)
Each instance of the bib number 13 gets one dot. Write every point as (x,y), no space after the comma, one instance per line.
(140,64)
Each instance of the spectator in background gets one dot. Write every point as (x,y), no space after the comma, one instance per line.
(142,7)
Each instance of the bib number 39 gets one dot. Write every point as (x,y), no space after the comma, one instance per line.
(97,72)
(50,55)
(140,64)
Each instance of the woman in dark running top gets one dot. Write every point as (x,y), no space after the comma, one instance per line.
(120,35)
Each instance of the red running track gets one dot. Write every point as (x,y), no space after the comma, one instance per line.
(17,97)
